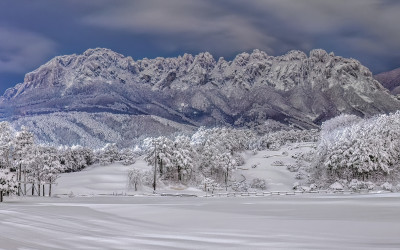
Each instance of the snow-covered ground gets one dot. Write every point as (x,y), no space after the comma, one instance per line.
(278,177)
(95,179)
(274,222)
(93,218)
(112,179)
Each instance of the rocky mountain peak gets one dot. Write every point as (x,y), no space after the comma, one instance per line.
(198,90)
(257,68)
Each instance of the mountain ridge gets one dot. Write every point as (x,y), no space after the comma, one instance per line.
(390,80)
(294,89)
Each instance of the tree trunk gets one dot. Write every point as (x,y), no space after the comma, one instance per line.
(19,177)
(25,180)
(155,167)
(50,189)
(43,191)
(33,189)
(38,189)
(179,174)
(1,195)
(226,179)
(135,186)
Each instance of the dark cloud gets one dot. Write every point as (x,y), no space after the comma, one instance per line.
(276,26)
(188,24)
(31,32)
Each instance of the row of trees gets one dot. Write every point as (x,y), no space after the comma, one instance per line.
(28,167)
(275,140)
(209,156)
(24,164)
(209,153)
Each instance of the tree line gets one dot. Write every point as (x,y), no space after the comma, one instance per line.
(28,168)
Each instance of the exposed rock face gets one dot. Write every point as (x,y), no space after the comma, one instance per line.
(390,80)
(198,90)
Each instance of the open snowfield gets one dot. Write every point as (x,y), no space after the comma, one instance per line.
(274,222)
(91,217)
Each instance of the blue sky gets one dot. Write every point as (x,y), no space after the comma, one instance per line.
(33,32)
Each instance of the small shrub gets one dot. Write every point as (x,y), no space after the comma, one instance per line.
(387,186)
(258,183)
(293,168)
(278,163)
(241,186)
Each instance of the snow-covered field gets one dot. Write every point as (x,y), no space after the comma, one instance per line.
(285,222)
(84,214)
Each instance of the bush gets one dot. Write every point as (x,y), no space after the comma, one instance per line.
(293,168)
(357,185)
(387,186)
(278,163)
(258,183)
(241,186)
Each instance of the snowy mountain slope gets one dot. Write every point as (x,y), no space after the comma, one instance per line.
(94,130)
(199,90)
(390,80)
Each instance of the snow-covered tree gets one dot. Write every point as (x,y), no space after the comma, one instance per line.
(7,135)
(210,185)
(218,149)
(8,183)
(225,165)
(175,159)
(108,154)
(135,177)
(161,149)
(50,166)
(75,158)
(24,149)
(182,159)
(128,156)
(275,140)
(364,150)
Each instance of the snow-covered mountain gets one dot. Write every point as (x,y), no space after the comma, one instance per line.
(390,80)
(199,90)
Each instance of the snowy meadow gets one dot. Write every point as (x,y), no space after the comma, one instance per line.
(275,222)
(216,188)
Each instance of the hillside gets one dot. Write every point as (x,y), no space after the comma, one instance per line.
(94,130)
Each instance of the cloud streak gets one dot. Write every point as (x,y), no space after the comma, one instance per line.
(189,24)
(22,50)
